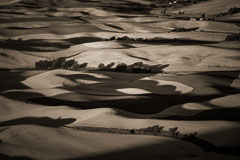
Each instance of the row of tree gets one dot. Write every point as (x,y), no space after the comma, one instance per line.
(59,63)
(138,67)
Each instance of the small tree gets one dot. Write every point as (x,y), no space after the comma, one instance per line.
(164,10)
(173,130)
(68,64)
(121,67)
(101,66)
(84,65)
(109,65)
(43,64)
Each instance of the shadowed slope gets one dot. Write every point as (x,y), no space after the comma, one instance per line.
(40,121)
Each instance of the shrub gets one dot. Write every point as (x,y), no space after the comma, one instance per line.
(109,66)
(101,66)
(121,67)
(137,64)
(68,64)
(156,129)
(233,10)
(173,130)
(59,63)
(147,130)
(139,67)
(182,29)
(233,37)
(132,131)
(75,66)
(112,38)
(191,136)
(43,64)
(145,69)
(53,64)
(136,68)
(125,38)
(83,65)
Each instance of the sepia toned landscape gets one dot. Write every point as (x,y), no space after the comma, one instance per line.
(119,79)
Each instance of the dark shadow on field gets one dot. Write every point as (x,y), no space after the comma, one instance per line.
(11,80)
(80,40)
(227,114)
(150,104)
(223,47)
(125,7)
(130,8)
(145,152)
(21,96)
(226,89)
(165,150)
(113,26)
(34,19)
(87,96)
(225,75)
(32,45)
(81,19)
(8,157)
(110,76)
(12,13)
(235,58)
(163,41)
(168,149)
(74,78)
(40,121)
(141,58)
